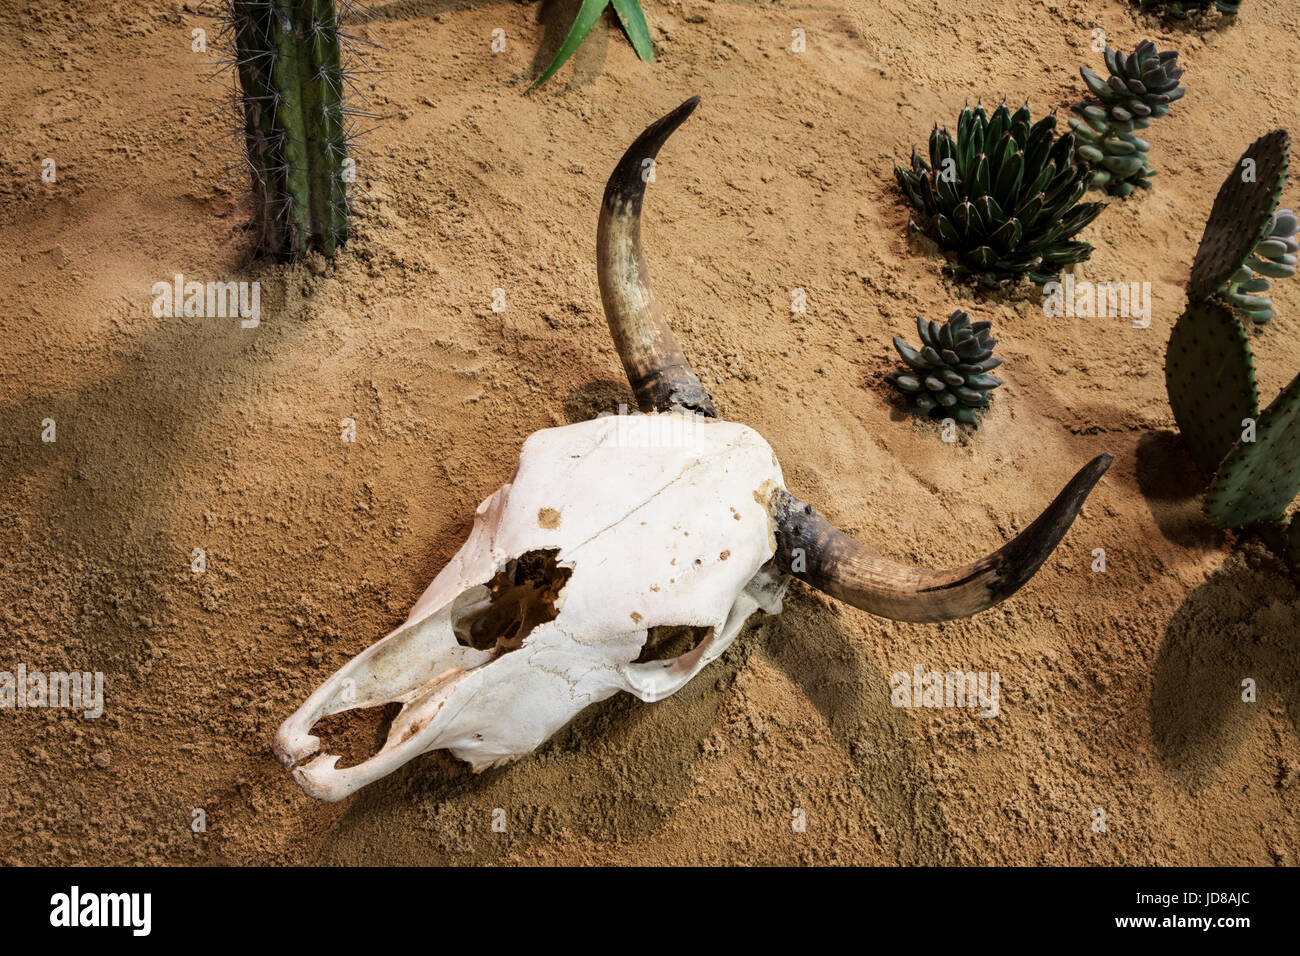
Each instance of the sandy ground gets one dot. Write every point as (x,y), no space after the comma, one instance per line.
(1120,690)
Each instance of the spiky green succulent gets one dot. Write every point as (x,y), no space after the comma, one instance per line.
(1003,197)
(1247,240)
(288,61)
(1182,9)
(948,377)
(1141,87)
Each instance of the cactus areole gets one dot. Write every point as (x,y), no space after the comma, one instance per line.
(291,85)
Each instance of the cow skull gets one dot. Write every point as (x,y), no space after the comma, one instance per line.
(609,529)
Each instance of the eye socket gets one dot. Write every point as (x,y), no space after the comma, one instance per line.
(669,641)
(519,598)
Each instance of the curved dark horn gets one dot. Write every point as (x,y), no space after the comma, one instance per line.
(656,367)
(811,548)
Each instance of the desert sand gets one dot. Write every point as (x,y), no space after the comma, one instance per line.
(1120,691)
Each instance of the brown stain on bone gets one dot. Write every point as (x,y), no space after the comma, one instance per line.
(548,518)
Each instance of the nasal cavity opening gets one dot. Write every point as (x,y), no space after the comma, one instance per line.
(356,735)
(519,597)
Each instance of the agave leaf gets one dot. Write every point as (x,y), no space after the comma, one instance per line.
(990,213)
(947,231)
(1040,142)
(909,184)
(1064,253)
(1007,185)
(1062,151)
(1042,178)
(965,218)
(979,181)
(1007,236)
(634,25)
(587,16)
(998,124)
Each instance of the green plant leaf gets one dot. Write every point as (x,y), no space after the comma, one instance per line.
(582,24)
(634,25)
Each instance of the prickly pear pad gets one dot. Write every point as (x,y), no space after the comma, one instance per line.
(1210,376)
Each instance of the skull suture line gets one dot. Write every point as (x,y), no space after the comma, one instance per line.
(610,528)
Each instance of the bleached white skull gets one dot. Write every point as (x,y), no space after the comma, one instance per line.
(609,529)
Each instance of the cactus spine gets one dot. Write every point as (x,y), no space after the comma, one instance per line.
(288,62)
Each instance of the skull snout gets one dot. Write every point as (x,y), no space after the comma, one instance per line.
(430,667)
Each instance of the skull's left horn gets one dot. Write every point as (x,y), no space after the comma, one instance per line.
(813,549)
(656,367)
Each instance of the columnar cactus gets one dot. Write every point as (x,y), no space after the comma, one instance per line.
(1140,88)
(291,84)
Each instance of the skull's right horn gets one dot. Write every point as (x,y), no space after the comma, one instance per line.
(656,367)
(814,550)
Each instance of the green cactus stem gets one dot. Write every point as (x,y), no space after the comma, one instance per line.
(1274,257)
(291,82)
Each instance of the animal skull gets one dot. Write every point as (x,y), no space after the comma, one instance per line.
(611,528)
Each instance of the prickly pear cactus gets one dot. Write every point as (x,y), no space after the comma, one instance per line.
(1242,219)
(1140,88)
(291,83)
(1210,376)
(1258,479)
(948,377)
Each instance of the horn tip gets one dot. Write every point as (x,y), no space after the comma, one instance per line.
(1091,473)
(626,185)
